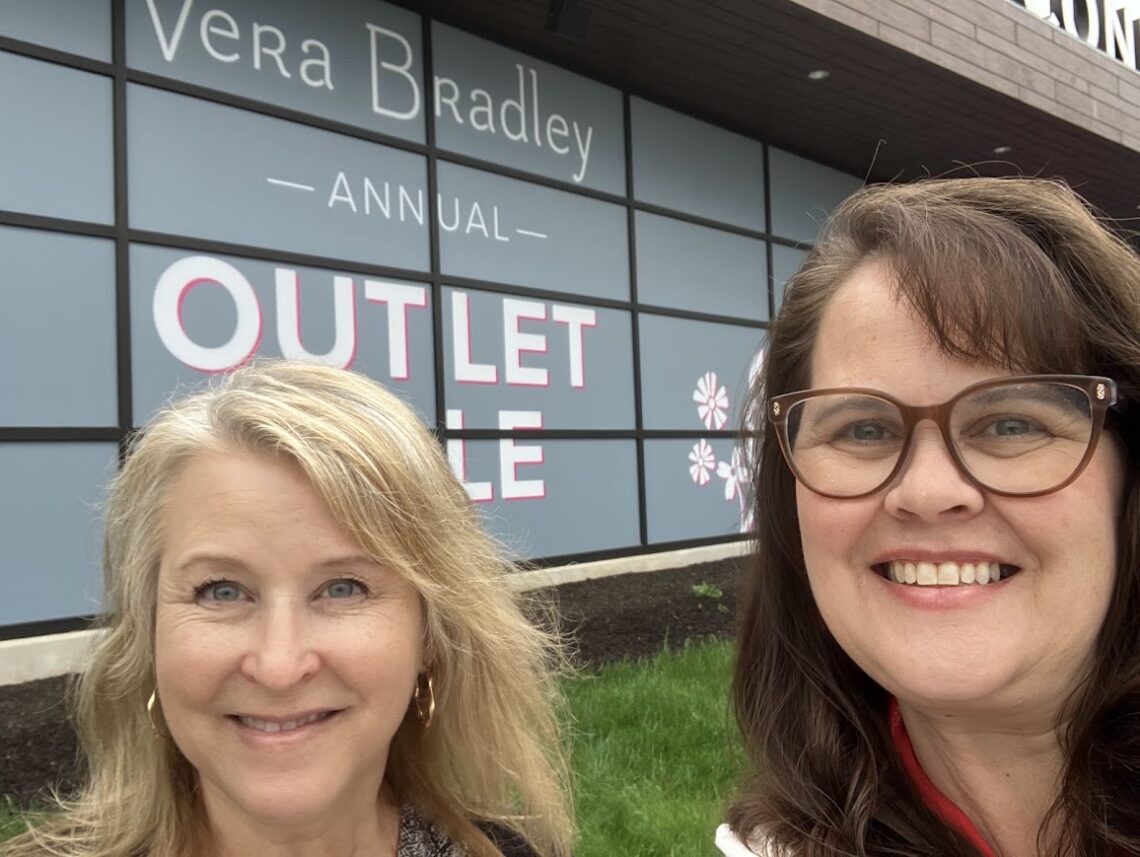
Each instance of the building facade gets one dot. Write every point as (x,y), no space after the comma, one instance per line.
(558,229)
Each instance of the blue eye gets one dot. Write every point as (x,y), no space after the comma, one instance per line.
(218,590)
(1011,427)
(868,432)
(344,589)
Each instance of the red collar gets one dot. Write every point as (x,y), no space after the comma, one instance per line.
(942,806)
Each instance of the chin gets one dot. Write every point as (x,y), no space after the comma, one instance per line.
(286,801)
(958,687)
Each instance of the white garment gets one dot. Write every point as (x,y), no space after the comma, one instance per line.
(730,846)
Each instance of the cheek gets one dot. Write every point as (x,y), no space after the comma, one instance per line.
(830,532)
(191,660)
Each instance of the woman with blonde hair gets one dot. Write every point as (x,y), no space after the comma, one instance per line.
(939,649)
(309,645)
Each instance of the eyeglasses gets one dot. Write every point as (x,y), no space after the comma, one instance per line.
(1017,437)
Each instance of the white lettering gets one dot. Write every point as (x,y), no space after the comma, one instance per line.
(475,221)
(515,342)
(512,455)
(398,297)
(400,69)
(575,318)
(563,130)
(341,192)
(518,108)
(443,224)
(323,62)
(486,109)
(207,29)
(417,207)
(343,350)
(479,492)
(1069,18)
(451,102)
(169,294)
(534,106)
(583,149)
(467,372)
(259,48)
(495,224)
(384,204)
(1120,18)
(169,47)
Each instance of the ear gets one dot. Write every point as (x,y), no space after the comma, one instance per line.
(427,652)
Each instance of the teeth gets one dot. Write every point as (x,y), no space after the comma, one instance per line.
(944,573)
(287,726)
(927,574)
(948,574)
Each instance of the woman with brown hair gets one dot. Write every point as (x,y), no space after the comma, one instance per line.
(309,648)
(939,651)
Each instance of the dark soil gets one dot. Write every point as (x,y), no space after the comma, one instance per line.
(626,616)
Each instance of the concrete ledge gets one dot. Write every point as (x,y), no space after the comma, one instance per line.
(48,656)
(576,572)
(53,655)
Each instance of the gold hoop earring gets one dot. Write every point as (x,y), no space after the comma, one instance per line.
(425,710)
(151,704)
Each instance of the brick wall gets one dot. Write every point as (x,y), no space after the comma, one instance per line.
(1002,46)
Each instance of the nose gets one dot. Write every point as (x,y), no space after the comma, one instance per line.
(930,486)
(280,655)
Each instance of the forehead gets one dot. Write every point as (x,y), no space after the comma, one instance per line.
(249,503)
(869,337)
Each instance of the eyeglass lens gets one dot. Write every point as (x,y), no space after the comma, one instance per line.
(1020,437)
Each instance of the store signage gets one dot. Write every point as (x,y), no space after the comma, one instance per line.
(590,493)
(528,364)
(360,62)
(506,107)
(87,31)
(533,236)
(216,172)
(695,374)
(56,162)
(569,363)
(1110,26)
(196,314)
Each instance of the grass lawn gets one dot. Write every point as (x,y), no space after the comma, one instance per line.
(10,823)
(654,754)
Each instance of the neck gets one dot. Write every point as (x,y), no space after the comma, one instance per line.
(1003,776)
(366,831)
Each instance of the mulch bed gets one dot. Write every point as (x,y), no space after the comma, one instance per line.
(626,616)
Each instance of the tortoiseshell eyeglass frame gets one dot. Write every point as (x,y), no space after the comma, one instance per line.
(1101,393)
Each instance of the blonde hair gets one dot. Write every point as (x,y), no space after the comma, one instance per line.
(493,751)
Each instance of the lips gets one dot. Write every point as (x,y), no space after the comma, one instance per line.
(945,573)
(279,725)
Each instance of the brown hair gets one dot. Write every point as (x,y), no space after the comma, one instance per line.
(1056,292)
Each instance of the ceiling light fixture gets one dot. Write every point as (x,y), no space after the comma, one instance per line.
(1002,150)
(819,74)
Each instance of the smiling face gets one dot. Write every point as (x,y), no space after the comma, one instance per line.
(285,657)
(1016,646)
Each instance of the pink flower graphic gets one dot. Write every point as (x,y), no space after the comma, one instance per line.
(735,476)
(712,401)
(703,462)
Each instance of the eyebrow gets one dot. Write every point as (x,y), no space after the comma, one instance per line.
(854,402)
(1057,393)
(232,564)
